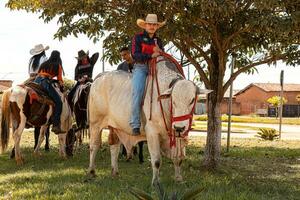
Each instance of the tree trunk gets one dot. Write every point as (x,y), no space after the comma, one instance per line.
(213,140)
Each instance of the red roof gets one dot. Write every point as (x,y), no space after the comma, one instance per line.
(273,87)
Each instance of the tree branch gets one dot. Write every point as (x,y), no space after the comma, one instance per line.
(185,51)
(228,40)
(246,68)
(202,53)
(216,39)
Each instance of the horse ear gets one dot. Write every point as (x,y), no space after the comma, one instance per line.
(202,91)
(166,94)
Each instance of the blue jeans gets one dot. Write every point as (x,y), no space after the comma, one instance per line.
(139,76)
(45,83)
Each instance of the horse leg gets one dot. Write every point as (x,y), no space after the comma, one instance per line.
(17,137)
(62,145)
(178,154)
(123,153)
(141,156)
(12,154)
(95,142)
(41,139)
(47,134)
(80,136)
(114,151)
(36,135)
(154,150)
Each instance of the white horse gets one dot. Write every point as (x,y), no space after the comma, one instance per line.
(109,105)
(21,106)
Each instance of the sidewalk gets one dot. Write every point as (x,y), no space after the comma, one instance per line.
(289,132)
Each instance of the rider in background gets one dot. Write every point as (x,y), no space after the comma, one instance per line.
(48,70)
(38,57)
(145,46)
(83,70)
(128,62)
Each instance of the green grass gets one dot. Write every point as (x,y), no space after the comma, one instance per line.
(252,119)
(254,169)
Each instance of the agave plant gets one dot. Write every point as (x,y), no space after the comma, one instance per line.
(162,195)
(268,133)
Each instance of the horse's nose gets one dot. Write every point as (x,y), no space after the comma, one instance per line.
(179,129)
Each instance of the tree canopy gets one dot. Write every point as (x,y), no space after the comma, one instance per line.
(207,33)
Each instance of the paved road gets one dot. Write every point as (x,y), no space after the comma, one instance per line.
(289,132)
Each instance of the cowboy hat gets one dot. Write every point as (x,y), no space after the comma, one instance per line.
(39,48)
(150,19)
(82,54)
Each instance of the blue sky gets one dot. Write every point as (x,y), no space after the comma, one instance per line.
(20,31)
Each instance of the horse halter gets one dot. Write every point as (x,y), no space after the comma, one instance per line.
(173,119)
(180,118)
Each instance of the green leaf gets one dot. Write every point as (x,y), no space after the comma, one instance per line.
(139,194)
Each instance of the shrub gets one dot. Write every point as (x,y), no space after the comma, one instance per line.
(268,133)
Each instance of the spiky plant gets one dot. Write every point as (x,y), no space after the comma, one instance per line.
(162,195)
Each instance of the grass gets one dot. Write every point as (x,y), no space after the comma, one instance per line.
(253,169)
(252,119)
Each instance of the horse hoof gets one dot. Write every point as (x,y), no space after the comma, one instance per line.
(20,161)
(64,157)
(114,173)
(90,176)
(179,179)
(37,154)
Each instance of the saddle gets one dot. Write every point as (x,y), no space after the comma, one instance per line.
(37,105)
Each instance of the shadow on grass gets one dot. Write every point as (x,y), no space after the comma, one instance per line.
(244,173)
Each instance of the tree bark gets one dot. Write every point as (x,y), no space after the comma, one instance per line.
(213,140)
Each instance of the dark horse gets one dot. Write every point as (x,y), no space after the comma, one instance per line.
(79,107)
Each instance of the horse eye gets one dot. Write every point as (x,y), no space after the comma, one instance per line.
(192,101)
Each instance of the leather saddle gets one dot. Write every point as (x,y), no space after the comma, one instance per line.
(37,105)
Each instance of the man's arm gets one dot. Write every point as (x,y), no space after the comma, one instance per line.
(94,58)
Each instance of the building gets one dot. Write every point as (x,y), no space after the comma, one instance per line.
(253,98)
(5,84)
(201,106)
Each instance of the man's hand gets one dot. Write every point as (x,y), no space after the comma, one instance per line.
(156,49)
(155,54)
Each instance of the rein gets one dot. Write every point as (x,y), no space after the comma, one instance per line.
(153,74)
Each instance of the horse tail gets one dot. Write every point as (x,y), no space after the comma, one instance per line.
(5,120)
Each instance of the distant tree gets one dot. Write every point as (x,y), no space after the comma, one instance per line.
(275,101)
(206,32)
(68,84)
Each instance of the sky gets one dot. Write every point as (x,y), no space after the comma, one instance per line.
(20,31)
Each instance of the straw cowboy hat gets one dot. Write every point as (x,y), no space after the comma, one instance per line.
(39,48)
(150,19)
(82,54)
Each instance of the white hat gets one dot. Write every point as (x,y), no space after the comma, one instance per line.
(39,48)
(150,19)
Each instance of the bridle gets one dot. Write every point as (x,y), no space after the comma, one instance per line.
(189,116)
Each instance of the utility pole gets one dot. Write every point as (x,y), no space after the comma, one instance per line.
(298,100)
(103,59)
(230,104)
(188,72)
(281,106)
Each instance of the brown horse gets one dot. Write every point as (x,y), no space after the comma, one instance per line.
(24,108)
